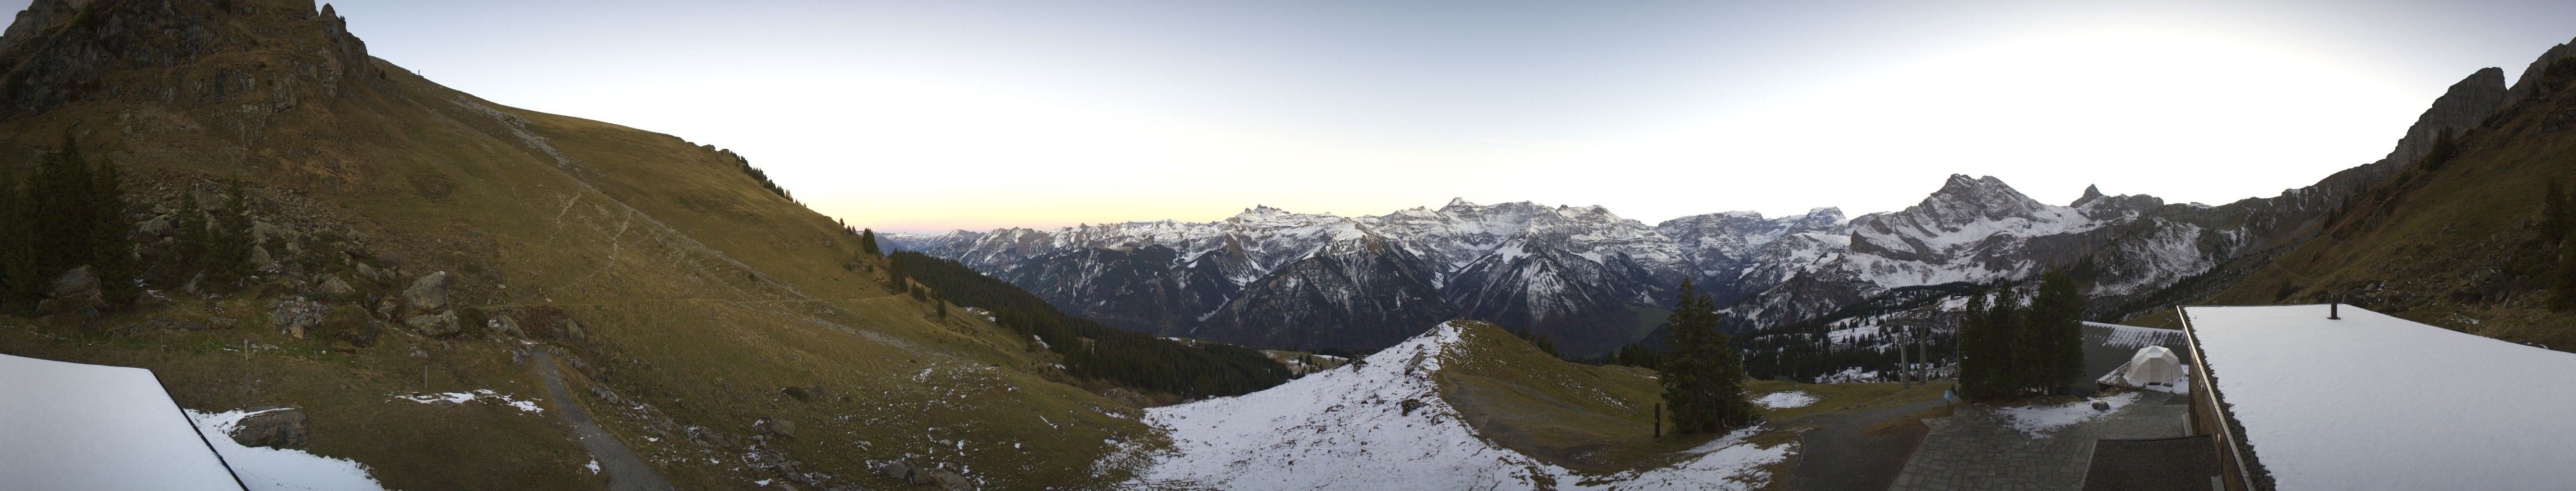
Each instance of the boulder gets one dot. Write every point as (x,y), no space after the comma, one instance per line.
(895,470)
(368,272)
(428,292)
(261,232)
(259,257)
(442,324)
(508,326)
(774,426)
(296,315)
(79,282)
(572,330)
(156,227)
(76,291)
(273,428)
(951,481)
(333,287)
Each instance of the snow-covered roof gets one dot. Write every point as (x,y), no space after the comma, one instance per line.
(76,426)
(2377,402)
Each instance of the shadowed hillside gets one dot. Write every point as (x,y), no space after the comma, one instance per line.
(684,296)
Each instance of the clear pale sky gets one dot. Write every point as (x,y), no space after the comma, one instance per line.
(928,116)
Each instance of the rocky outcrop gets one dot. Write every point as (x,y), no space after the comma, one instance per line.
(273,428)
(75,292)
(39,16)
(2529,84)
(334,287)
(441,324)
(428,293)
(58,51)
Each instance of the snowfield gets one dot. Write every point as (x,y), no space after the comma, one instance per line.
(1381,423)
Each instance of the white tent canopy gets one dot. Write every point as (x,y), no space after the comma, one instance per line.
(76,426)
(2152,365)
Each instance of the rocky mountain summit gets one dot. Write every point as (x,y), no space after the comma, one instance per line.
(1592,280)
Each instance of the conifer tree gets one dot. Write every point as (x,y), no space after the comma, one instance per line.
(19,281)
(868,242)
(227,258)
(2056,316)
(1704,378)
(114,258)
(188,238)
(2562,288)
(2553,213)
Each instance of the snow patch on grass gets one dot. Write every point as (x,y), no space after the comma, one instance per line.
(2037,421)
(526,405)
(1786,399)
(264,468)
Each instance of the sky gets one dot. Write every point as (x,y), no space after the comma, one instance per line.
(929,116)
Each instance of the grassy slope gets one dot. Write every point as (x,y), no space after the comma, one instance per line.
(1599,419)
(2453,247)
(703,318)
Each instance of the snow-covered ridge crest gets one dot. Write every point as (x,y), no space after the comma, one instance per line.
(1382,423)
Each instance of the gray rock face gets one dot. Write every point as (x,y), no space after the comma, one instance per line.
(951,481)
(79,282)
(38,16)
(76,291)
(262,232)
(442,324)
(508,326)
(333,287)
(774,426)
(428,292)
(896,470)
(259,257)
(276,428)
(156,227)
(296,315)
(2529,84)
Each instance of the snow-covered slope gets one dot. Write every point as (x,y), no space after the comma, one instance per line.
(1383,424)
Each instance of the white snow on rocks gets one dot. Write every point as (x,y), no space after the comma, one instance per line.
(529,405)
(1786,399)
(1349,428)
(264,468)
(2038,421)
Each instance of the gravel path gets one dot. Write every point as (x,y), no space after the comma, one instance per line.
(625,472)
(1841,454)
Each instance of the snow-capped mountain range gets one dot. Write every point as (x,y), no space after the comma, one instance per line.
(1270,277)
(1592,280)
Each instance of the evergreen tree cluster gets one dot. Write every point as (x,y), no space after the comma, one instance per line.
(1538,341)
(2008,348)
(1633,354)
(62,214)
(1704,377)
(1094,350)
(1806,349)
(760,176)
(2556,222)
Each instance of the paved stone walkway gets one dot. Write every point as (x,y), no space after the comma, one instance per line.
(1975,449)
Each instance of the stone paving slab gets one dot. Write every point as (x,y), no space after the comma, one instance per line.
(1975,449)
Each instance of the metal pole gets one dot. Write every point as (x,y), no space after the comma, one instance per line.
(1904,371)
(1659,420)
